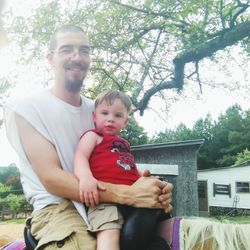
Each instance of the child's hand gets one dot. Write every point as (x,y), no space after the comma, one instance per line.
(89,191)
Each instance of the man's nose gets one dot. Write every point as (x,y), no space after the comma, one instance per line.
(76,55)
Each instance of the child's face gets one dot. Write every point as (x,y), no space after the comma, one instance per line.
(110,119)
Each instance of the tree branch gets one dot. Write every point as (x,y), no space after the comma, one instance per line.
(142,105)
(110,76)
(230,37)
(152,13)
(198,75)
(137,37)
(147,67)
(221,15)
(243,8)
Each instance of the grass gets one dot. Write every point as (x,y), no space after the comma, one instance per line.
(236,219)
(13,221)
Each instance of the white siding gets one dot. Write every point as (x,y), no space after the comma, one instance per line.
(227,176)
(159,168)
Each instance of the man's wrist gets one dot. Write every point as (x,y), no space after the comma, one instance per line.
(118,194)
(125,196)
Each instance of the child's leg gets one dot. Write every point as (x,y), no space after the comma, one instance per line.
(108,239)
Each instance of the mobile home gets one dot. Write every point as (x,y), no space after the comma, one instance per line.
(225,190)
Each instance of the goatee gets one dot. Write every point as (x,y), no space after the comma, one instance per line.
(74,86)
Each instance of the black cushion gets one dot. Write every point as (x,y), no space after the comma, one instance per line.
(30,241)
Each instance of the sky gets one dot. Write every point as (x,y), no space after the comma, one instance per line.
(188,109)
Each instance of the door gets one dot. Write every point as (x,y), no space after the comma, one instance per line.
(203,199)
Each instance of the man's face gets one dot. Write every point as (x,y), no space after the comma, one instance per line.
(70,60)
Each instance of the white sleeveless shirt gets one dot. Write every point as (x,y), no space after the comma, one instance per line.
(60,123)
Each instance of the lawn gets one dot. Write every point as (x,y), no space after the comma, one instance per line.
(236,219)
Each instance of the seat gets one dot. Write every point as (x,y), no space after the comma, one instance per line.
(30,241)
(137,232)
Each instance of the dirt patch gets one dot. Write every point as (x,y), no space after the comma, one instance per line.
(14,231)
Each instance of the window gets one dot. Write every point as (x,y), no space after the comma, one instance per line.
(222,189)
(242,187)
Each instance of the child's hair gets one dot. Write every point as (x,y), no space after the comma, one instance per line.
(110,95)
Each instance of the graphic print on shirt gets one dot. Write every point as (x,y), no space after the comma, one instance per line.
(125,158)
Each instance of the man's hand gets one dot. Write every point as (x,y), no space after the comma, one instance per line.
(165,198)
(148,191)
(151,192)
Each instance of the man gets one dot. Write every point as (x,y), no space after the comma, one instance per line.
(44,129)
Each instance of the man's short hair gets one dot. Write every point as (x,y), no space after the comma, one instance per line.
(110,96)
(62,29)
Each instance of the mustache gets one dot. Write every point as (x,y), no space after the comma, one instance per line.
(75,65)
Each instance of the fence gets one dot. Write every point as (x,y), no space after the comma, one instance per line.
(13,205)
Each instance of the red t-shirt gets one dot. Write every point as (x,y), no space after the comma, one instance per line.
(111,161)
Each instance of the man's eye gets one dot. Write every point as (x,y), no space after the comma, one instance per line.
(84,51)
(66,51)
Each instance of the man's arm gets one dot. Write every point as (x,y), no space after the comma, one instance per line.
(145,192)
(45,162)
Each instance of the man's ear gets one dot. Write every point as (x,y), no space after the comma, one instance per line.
(50,58)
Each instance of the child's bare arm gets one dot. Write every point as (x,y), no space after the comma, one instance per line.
(88,185)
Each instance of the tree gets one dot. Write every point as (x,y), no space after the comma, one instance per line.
(15,182)
(180,133)
(224,140)
(243,156)
(134,133)
(4,190)
(145,47)
(15,202)
(10,177)
(203,128)
(162,137)
(6,172)
(227,134)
